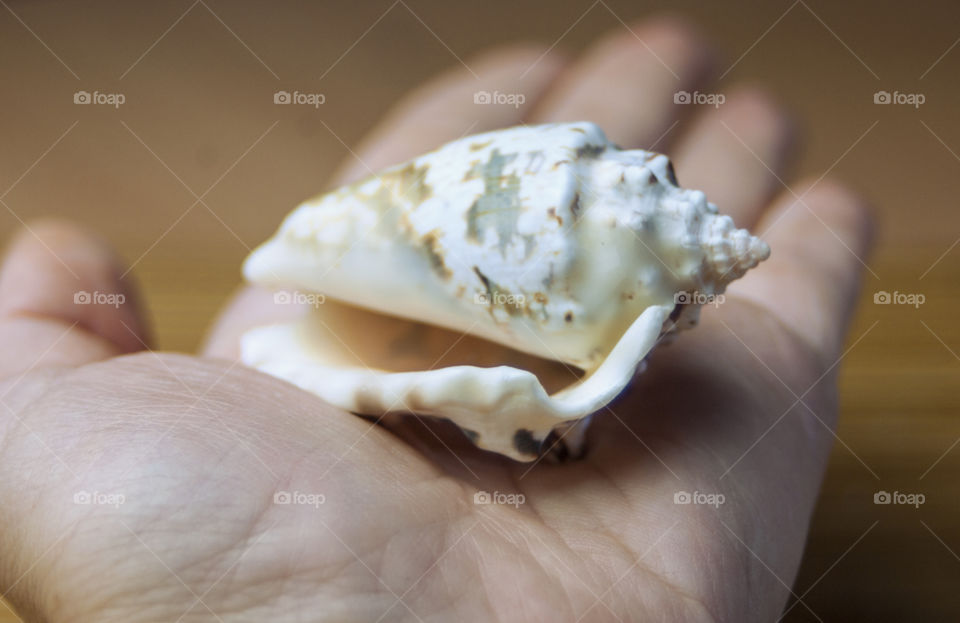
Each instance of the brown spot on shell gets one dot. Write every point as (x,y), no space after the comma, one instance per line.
(568,316)
(366,403)
(552,213)
(479,146)
(415,399)
(575,206)
(496,298)
(540,297)
(411,182)
(525,443)
(590,151)
(483,278)
(432,247)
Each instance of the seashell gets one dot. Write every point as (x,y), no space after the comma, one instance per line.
(546,261)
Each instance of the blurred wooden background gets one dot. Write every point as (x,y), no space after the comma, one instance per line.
(201,95)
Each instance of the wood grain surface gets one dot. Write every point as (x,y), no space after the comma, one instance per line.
(198,165)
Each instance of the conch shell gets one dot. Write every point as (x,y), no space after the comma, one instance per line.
(547,240)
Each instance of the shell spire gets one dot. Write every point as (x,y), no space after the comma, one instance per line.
(729,252)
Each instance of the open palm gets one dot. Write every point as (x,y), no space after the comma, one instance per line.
(140,486)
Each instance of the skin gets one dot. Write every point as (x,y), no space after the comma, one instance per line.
(198,446)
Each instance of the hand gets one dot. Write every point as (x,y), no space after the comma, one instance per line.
(141,486)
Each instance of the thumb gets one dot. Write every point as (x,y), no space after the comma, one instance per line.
(63,301)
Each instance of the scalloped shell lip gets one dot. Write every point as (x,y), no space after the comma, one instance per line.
(494,403)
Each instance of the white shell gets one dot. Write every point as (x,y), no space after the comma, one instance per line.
(545,239)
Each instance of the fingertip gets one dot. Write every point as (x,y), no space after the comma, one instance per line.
(449,105)
(820,237)
(510,67)
(57,270)
(826,212)
(638,69)
(847,208)
(757,110)
(675,35)
(737,152)
(518,54)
